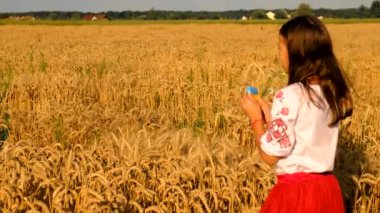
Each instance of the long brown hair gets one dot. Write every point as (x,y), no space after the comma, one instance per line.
(311,54)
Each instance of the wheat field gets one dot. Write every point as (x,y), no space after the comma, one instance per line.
(146,118)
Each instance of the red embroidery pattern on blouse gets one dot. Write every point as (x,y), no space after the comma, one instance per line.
(279,94)
(284,142)
(278,129)
(285,111)
(269,138)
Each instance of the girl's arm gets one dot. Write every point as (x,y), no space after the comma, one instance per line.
(255,110)
(259,130)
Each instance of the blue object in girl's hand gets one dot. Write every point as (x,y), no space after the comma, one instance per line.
(250,90)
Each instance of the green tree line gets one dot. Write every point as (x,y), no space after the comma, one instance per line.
(361,12)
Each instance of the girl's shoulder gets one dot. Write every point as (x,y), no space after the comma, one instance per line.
(292,92)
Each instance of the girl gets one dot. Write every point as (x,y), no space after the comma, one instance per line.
(300,133)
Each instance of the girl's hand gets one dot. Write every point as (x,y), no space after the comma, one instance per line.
(251,108)
(265,108)
(256,109)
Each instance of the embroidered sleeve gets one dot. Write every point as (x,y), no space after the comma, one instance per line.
(279,139)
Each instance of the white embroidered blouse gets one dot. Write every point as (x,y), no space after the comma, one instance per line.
(299,132)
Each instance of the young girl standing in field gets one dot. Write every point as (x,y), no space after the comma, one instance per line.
(300,133)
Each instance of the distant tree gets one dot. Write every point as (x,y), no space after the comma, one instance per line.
(152,14)
(375,8)
(362,12)
(281,14)
(259,14)
(185,15)
(111,15)
(303,9)
(362,8)
(53,15)
(172,15)
(293,14)
(125,15)
(75,16)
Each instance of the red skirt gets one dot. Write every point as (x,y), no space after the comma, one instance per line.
(304,192)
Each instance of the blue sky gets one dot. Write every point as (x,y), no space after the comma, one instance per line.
(196,5)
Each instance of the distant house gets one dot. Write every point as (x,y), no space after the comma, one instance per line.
(320,17)
(142,17)
(94,17)
(28,18)
(22,18)
(15,18)
(271,15)
(244,18)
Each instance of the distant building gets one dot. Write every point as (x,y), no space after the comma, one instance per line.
(142,17)
(271,15)
(94,17)
(320,17)
(22,18)
(244,18)
(28,18)
(15,18)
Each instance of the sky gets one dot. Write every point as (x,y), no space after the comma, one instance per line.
(195,5)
